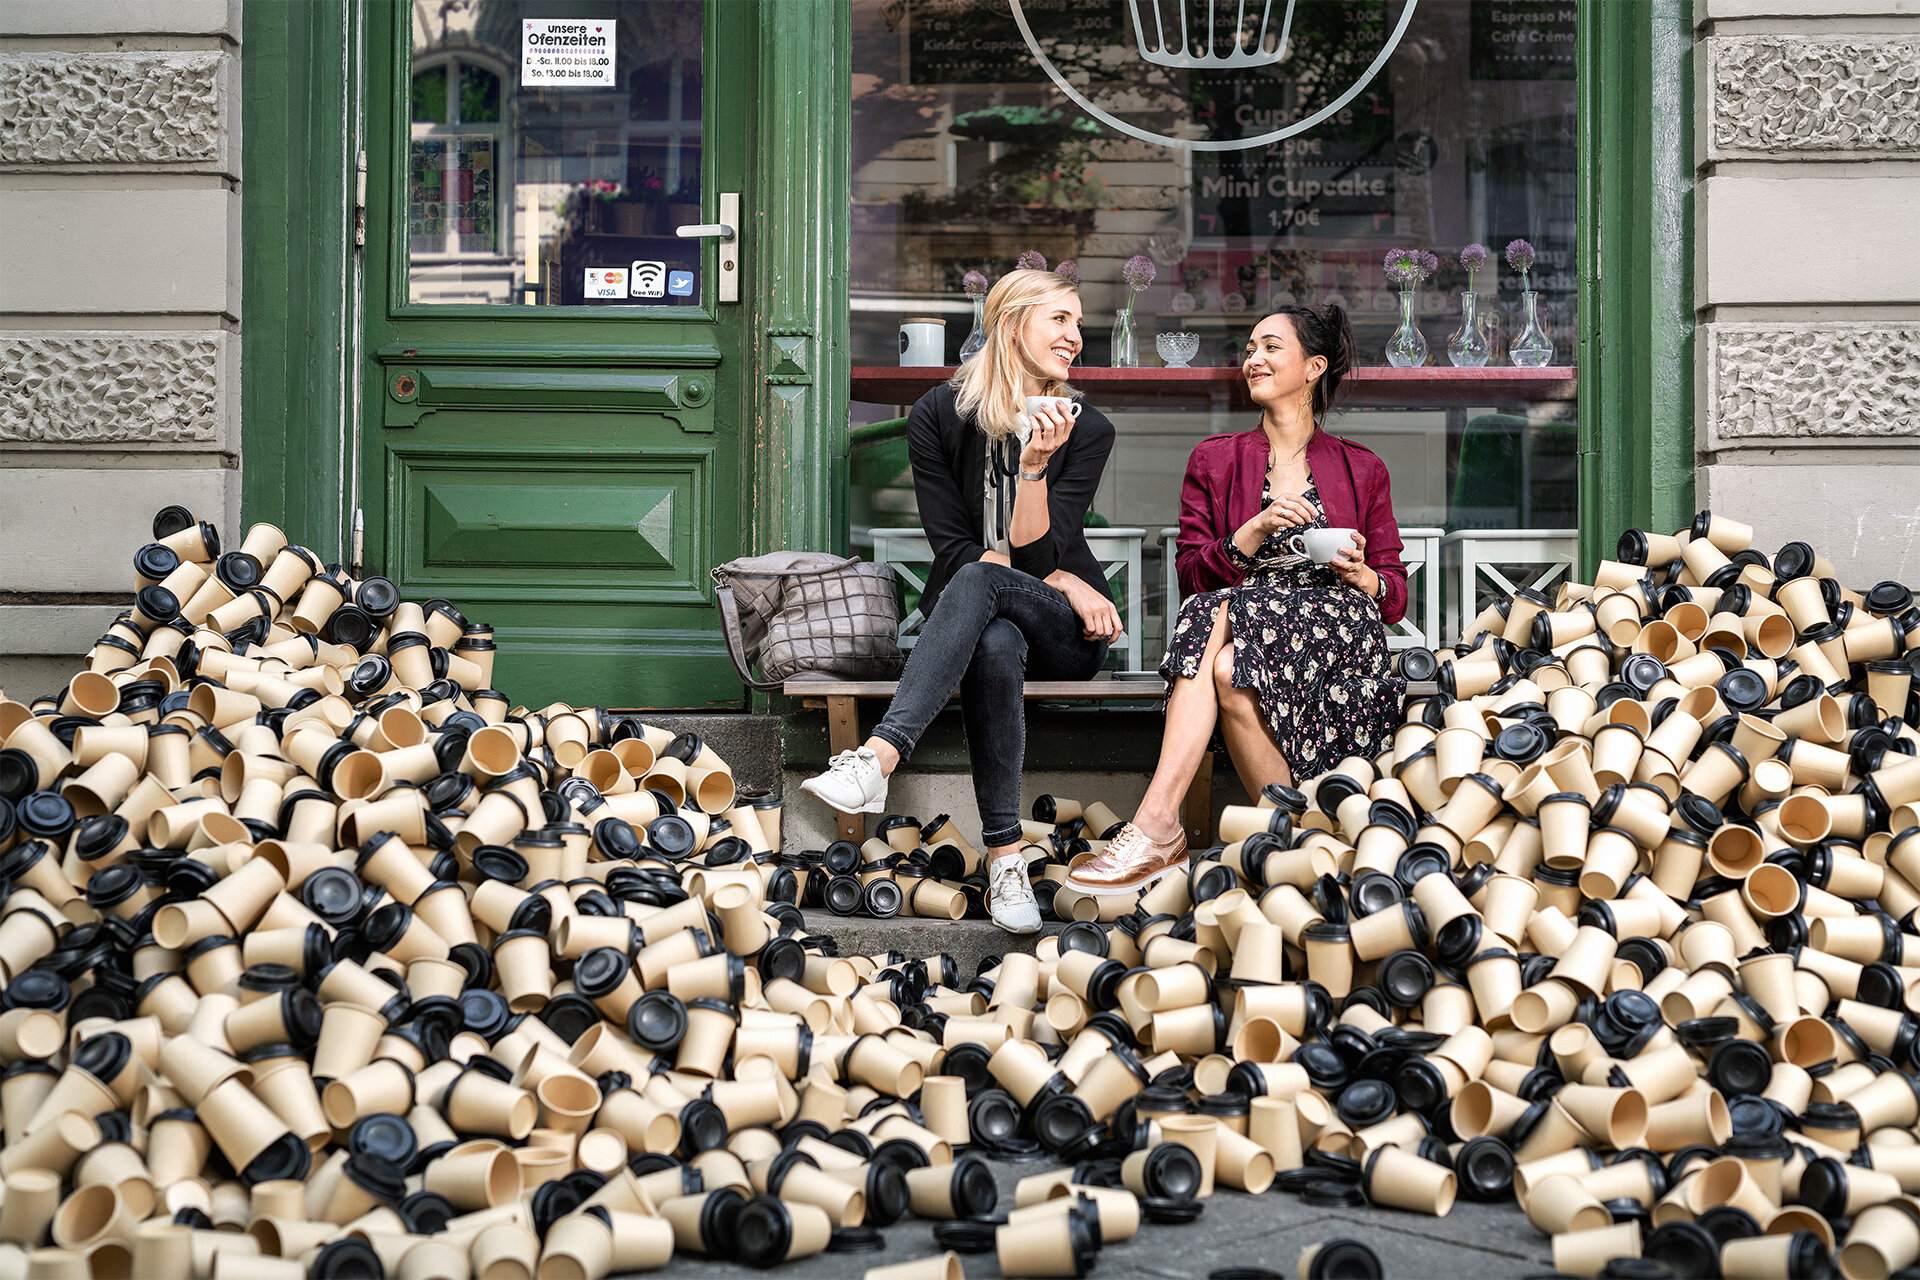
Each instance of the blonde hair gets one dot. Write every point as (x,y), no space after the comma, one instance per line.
(990,386)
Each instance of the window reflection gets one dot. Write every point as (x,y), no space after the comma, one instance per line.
(546,195)
(966,152)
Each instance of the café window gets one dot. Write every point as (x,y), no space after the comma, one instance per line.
(527,189)
(1257,155)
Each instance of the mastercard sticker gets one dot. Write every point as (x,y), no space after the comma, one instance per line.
(606,282)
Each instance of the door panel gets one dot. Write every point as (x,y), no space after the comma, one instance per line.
(565,467)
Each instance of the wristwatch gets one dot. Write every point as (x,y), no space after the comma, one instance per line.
(1041,474)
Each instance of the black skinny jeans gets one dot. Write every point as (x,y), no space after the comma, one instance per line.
(992,627)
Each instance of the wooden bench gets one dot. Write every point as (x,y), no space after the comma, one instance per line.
(841,700)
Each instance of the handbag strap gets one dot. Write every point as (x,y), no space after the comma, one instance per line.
(736,642)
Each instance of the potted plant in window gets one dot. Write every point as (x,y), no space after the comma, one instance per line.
(589,207)
(637,214)
(683,206)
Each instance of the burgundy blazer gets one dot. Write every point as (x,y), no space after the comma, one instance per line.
(1222,492)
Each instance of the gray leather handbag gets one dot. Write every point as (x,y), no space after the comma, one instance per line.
(795,612)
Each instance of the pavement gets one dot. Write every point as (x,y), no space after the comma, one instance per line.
(1484,1242)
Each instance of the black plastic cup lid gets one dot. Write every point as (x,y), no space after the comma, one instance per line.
(1485,1168)
(19,774)
(671,835)
(387,1136)
(781,958)
(1170,1210)
(992,1114)
(287,1157)
(1743,690)
(1059,1118)
(1171,1172)
(1366,1102)
(46,814)
(657,1021)
(856,1240)
(887,1195)
(971,1190)
(882,898)
(843,894)
(968,1237)
(348,1258)
(1344,1259)
(334,894)
(599,971)
(378,1176)
(1740,1067)
(426,1212)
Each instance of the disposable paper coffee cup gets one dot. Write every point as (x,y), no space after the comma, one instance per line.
(1405,1181)
(1585,1253)
(1056,1245)
(1197,1134)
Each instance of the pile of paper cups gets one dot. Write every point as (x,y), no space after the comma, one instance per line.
(319,957)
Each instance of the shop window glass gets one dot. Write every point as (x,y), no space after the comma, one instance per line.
(1259,154)
(523,190)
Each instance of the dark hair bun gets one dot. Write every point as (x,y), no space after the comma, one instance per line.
(1339,354)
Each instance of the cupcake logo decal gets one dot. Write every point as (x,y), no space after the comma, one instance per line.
(1188,35)
(1249,46)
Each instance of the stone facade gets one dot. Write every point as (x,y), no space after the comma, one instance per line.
(119,303)
(1808,294)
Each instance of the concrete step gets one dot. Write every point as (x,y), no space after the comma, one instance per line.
(750,744)
(967,941)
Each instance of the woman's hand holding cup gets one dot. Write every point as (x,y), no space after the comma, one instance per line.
(1048,421)
(1349,564)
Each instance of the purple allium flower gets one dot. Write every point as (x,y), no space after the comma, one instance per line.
(1138,272)
(1067,270)
(975,283)
(1031,260)
(1520,256)
(1406,268)
(1473,257)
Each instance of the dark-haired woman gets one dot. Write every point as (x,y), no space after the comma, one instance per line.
(1288,657)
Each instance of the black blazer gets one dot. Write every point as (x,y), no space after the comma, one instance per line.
(949,455)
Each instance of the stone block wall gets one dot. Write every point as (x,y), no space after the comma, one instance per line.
(1807,285)
(119,303)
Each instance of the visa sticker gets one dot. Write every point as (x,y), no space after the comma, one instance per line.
(606,282)
(680,284)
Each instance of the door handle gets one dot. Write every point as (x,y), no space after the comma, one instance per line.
(724,232)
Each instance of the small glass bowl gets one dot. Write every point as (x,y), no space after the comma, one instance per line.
(1176,349)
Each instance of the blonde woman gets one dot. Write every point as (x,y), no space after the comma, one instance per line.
(1015,592)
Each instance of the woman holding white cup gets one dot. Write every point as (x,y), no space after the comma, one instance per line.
(1005,463)
(1289,558)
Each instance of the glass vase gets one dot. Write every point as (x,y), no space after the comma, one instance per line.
(1126,344)
(1468,348)
(976,337)
(1531,347)
(1408,346)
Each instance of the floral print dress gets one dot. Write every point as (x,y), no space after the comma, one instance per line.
(1313,649)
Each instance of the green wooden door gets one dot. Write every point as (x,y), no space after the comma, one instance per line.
(556,394)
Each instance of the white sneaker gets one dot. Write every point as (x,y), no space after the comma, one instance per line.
(1010,895)
(853,783)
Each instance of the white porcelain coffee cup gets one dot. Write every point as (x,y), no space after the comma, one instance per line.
(1320,545)
(1066,404)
